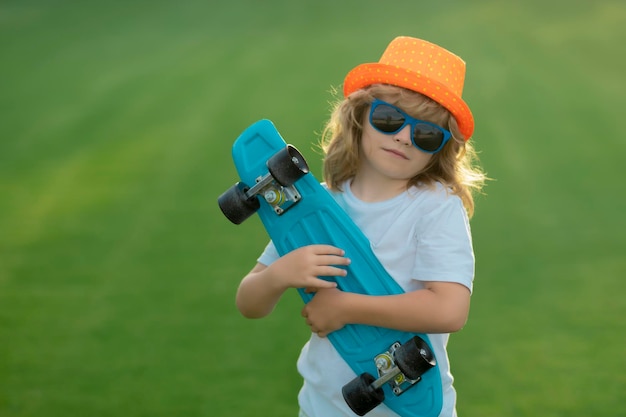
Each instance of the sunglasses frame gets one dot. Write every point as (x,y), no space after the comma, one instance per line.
(408,120)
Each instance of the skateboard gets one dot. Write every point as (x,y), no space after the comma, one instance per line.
(393,367)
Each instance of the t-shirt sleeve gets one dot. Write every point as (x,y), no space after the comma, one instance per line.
(444,246)
(269,255)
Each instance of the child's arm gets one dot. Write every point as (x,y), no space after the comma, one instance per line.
(261,289)
(442,307)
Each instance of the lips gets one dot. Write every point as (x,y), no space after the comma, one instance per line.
(396,152)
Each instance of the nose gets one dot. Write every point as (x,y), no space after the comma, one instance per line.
(403,136)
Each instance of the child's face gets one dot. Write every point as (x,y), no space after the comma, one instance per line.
(391,156)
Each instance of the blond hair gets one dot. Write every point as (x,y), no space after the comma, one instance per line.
(455,166)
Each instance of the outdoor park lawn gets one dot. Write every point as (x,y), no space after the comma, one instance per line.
(118,271)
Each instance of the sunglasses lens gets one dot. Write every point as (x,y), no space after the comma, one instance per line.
(387,119)
(427,137)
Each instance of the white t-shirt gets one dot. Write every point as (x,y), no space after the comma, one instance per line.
(419,235)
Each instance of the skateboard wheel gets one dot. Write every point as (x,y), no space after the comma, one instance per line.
(287,166)
(414,357)
(360,396)
(235,205)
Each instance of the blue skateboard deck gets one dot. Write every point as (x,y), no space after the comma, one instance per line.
(317,219)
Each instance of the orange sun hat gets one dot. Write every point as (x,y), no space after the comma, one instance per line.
(419,66)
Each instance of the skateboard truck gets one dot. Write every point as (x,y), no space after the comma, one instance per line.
(276,187)
(391,374)
(401,367)
(281,198)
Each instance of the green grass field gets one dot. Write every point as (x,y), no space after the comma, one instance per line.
(118,272)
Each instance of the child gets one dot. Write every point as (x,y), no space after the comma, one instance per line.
(398,160)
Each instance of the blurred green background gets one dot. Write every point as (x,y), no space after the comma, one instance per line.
(118,272)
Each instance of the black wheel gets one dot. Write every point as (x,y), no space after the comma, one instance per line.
(235,205)
(287,166)
(414,358)
(360,396)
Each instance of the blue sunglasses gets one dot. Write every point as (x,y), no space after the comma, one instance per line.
(389,119)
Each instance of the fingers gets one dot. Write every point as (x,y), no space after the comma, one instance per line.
(333,260)
(308,266)
(323,254)
(309,323)
(328,260)
(329,255)
(327,250)
(314,328)
(330,271)
(317,284)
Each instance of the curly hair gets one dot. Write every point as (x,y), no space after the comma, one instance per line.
(455,166)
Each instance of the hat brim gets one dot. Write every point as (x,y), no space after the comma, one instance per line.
(375,73)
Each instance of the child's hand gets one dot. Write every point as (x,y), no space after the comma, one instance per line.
(302,267)
(323,314)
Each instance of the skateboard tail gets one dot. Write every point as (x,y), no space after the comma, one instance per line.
(253,148)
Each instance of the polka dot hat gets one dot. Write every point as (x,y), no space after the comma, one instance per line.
(420,66)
